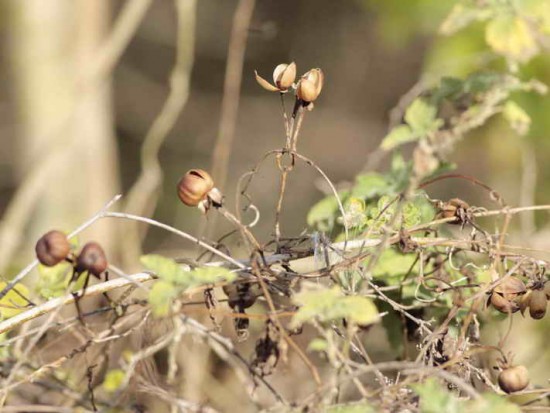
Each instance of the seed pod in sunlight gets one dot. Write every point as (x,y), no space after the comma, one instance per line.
(513,379)
(506,296)
(537,304)
(503,305)
(310,85)
(52,248)
(511,288)
(92,259)
(283,78)
(196,189)
(284,75)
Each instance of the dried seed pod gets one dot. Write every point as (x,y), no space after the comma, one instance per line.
(510,288)
(537,304)
(310,85)
(502,304)
(284,75)
(506,296)
(513,379)
(52,248)
(283,78)
(194,186)
(92,259)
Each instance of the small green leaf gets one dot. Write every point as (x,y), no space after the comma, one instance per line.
(411,215)
(317,344)
(435,399)
(322,304)
(211,275)
(461,16)
(370,185)
(323,213)
(421,117)
(481,82)
(161,297)
(52,281)
(392,266)
(354,213)
(113,380)
(518,119)
(358,309)
(165,268)
(398,136)
(13,302)
(510,36)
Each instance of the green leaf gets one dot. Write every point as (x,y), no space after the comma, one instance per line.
(323,213)
(461,16)
(211,275)
(165,268)
(161,297)
(317,344)
(370,185)
(435,399)
(482,82)
(52,281)
(354,213)
(518,119)
(392,266)
(398,136)
(13,302)
(421,117)
(322,304)
(510,36)
(113,380)
(411,215)
(361,407)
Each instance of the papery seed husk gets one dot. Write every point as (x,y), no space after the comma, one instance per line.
(307,91)
(265,84)
(284,75)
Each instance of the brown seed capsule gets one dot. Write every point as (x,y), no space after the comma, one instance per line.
(506,296)
(92,259)
(510,288)
(283,78)
(310,85)
(502,304)
(537,304)
(52,248)
(513,379)
(284,75)
(194,186)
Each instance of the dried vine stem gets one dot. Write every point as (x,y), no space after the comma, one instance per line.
(55,303)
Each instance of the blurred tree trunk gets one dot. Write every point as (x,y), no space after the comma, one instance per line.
(66,160)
